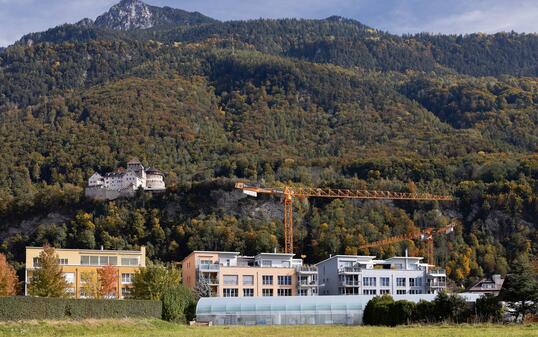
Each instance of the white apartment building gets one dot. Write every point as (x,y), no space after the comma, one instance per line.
(364,275)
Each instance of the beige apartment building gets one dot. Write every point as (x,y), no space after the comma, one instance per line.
(228,274)
(76,261)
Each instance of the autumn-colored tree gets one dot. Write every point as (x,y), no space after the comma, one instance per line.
(48,280)
(8,278)
(108,280)
(91,286)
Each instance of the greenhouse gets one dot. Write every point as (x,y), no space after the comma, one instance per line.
(281,310)
(291,310)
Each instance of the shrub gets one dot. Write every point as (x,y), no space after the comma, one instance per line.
(450,308)
(424,312)
(489,308)
(378,311)
(179,304)
(402,312)
(26,308)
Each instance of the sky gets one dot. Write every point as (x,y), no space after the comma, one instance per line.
(19,17)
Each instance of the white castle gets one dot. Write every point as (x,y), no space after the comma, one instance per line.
(124,183)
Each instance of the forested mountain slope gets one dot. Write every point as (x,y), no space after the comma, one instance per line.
(311,102)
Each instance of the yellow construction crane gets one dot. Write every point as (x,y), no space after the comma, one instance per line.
(426,235)
(288,193)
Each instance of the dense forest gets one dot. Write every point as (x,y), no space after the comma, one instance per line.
(328,103)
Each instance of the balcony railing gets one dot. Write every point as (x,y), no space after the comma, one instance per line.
(350,270)
(312,269)
(350,283)
(209,267)
(437,271)
(210,281)
(439,284)
(308,282)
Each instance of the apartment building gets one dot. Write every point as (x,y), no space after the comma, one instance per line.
(364,275)
(74,262)
(229,274)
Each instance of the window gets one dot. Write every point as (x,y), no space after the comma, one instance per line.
(284,292)
(415,291)
(303,292)
(206,262)
(69,277)
(418,282)
(97,260)
(369,292)
(401,292)
(36,262)
(411,282)
(108,260)
(384,291)
(267,263)
(126,278)
(125,292)
(248,292)
(267,279)
(400,281)
(63,261)
(267,292)
(284,280)
(230,292)
(230,279)
(385,282)
(248,280)
(369,281)
(129,261)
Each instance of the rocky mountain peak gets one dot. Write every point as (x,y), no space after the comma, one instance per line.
(126,15)
(135,14)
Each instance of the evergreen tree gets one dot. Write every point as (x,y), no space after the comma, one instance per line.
(520,289)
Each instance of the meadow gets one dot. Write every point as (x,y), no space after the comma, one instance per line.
(157,328)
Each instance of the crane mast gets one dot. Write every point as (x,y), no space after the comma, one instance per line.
(288,194)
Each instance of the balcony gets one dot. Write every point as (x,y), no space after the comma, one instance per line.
(350,283)
(349,270)
(307,269)
(209,281)
(440,284)
(437,272)
(209,267)
(304,283)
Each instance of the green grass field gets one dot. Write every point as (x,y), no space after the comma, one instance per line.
(156,328)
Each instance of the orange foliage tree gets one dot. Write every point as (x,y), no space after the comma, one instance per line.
(108,278)
(8,278)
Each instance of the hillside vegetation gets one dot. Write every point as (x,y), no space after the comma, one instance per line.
(328,103)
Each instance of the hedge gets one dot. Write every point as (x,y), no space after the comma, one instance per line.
(25,308)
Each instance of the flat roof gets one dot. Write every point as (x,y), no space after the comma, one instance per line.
(276,254)
(91,250)
(349,256)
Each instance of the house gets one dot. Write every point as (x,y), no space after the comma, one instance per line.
(491,285)
(74,262)
(229,274)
